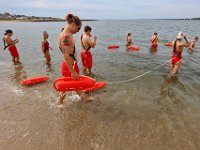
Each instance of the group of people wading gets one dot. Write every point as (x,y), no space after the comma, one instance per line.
(69,66)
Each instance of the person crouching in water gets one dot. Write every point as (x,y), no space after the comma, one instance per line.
(11,46)
(86,54)
(45,47)
(129,40)
(154,40)
(194,41)
(176,58)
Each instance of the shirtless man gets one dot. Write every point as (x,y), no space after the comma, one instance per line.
(86,54)
(11,45)
(129,39)
(69,67)
(194,41)
(154,40)
(176,58)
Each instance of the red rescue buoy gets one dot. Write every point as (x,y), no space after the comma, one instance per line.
(113,46)
(168,44)
(65,84)
(154,45)
(133,48)
(35,80)
(95,87)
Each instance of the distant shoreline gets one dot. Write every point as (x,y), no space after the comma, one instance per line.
(33,20)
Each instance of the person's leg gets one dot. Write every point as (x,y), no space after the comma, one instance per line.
(176,67)
(48,57)
(61,98)
(83,59)
(85,97)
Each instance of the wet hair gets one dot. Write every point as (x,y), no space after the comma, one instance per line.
(87,28)
(73,19)
(155,33)
(129,34)
(8,31)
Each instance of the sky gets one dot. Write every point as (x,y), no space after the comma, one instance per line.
(104,9)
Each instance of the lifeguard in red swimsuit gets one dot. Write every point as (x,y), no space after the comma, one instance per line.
(11,45)
(176,58)
(86,54)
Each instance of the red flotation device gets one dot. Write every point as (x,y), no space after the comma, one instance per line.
(168,44)
(35,80)
(95,87)
(113,46)
(65,84)
(133,48)
(154,45)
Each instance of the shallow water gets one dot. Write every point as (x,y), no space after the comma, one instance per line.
(148,113)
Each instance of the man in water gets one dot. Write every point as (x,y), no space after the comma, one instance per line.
(154,40)
(86,54)
(69,67)
(11,46)
(176,58)
(129,39)
(194,41)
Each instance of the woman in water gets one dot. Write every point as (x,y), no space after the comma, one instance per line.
(11,45)
(69,67)
(154,40)
(45,47)
(129,39)
(176,58)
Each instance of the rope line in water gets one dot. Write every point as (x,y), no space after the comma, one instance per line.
(139,76)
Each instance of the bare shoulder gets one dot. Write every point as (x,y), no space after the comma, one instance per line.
(66,39)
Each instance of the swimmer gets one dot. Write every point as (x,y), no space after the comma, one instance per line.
(86,54)
(176,58)
(7,39)
(45,47)
(69,67)
(194,41)
(154,40)
(129,40)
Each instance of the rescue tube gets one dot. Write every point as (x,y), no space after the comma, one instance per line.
(154,45)
(35,80)
(96,86)
(65,84)
(168,44)
(113,46)
(133,48)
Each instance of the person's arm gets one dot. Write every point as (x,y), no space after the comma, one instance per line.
(10,42)
(186,40)
(67,50)
(42,46)
(158,39)
(90,43)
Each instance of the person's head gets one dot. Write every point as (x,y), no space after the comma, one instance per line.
(155,33)
(129,34)
(180,36)
(87,30)
(196,38)
(8,32)
(45,35)
(74,22)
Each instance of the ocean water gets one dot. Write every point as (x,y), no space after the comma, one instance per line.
(148,113)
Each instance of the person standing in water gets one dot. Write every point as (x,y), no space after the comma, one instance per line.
(86,54)
(194,41)
(129,39)
(69,66)
(7,39)
(45,47)
(176,58)
(154,40)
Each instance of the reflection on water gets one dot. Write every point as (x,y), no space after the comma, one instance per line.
(19,73)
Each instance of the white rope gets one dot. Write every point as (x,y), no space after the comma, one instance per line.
(127,81)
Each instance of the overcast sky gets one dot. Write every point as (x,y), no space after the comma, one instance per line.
(105,9)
